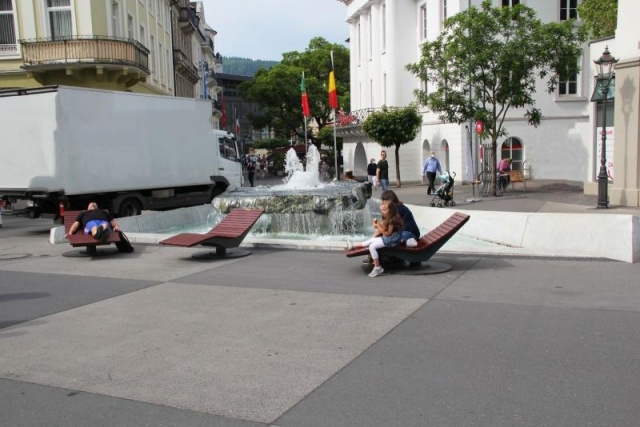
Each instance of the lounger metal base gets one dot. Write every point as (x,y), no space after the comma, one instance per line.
(213,255)
(91,252)
(413,269)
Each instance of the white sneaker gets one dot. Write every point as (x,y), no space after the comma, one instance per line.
(349,245)
(376,271)
(412,243)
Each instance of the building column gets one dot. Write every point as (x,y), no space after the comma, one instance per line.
(625,190)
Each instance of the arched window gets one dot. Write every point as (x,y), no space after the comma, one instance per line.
(444,149)
(512,149)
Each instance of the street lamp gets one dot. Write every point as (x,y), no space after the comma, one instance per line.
(605,66)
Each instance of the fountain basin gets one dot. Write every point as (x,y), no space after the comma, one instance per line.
(321,200)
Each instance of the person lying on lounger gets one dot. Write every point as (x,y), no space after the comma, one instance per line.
(96,222)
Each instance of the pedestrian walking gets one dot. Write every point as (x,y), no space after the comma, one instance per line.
(430,168)
(382,172)
(372,169)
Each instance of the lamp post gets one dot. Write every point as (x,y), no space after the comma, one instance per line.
(605,66)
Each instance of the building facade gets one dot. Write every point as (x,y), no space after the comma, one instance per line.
(386,35)
(106,44)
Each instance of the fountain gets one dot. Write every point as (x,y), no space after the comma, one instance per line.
(303,204)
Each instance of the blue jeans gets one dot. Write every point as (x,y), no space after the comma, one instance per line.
(384,184)
(406,235)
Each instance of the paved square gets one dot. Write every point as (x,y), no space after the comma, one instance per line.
(244,353)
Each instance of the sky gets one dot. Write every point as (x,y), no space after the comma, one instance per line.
(264,29)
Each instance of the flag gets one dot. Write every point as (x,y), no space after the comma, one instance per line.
(333,94)
(305,98)
(237,126)
(223,113)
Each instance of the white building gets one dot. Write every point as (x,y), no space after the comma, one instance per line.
(386,35)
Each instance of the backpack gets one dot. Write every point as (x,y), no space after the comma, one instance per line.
(124,245)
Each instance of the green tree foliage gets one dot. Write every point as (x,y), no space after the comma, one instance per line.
(245,66)
(499,54)
(393,128)
(270,144)
(277,90)
(599,17)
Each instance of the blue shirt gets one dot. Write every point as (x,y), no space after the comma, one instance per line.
(431,165)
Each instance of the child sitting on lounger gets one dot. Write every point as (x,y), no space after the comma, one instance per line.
(388,233)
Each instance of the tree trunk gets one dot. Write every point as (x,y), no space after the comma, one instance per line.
(398,182)
(492,169)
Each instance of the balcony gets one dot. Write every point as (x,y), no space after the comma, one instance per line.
(350,124)
(185,67)
(75,52)
(188,20)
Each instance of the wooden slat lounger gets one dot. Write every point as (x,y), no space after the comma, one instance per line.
(227,234)
(428,244)
(79,239)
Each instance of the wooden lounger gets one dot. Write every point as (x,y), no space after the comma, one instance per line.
(428,244)
(79,239)
(227,234)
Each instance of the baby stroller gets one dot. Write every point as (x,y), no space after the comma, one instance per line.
(445,192)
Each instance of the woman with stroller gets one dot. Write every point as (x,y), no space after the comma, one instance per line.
(388,233)
(431,166)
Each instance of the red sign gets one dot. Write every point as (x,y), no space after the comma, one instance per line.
(479,127)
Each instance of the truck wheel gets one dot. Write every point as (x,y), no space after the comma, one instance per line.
(33,213)
(130,207)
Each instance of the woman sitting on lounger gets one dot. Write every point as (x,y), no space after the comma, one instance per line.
(388,233)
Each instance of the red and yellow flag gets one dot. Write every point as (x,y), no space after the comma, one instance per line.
(333,94)
(305,99)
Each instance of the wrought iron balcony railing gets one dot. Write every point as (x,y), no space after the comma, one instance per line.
(354,118)
(49,53)
(8,49)
(185,67)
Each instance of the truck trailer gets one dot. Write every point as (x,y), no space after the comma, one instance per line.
(63,147)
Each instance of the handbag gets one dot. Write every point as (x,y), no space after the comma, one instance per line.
(124,245)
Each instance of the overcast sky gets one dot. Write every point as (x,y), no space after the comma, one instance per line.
(264,29)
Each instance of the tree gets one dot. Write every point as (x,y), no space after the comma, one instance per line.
(488,61)
(277,90)
(393,127)
(599,17)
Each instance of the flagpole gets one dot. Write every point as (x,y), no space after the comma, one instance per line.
(304,120)
(335,145)
(334,104)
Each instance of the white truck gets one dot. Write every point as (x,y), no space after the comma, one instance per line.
(62,147)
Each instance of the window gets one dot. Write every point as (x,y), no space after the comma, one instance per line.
(59,18)
(130,33)
(568,9)
(423,22)
(384,89)
(167,60)
(159,67)
(153,64)
(510,3)
(384,27)
(569,86)
(370,38)
(115,19)
(143,36)
(228,148)
(359,43)
(8,44)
